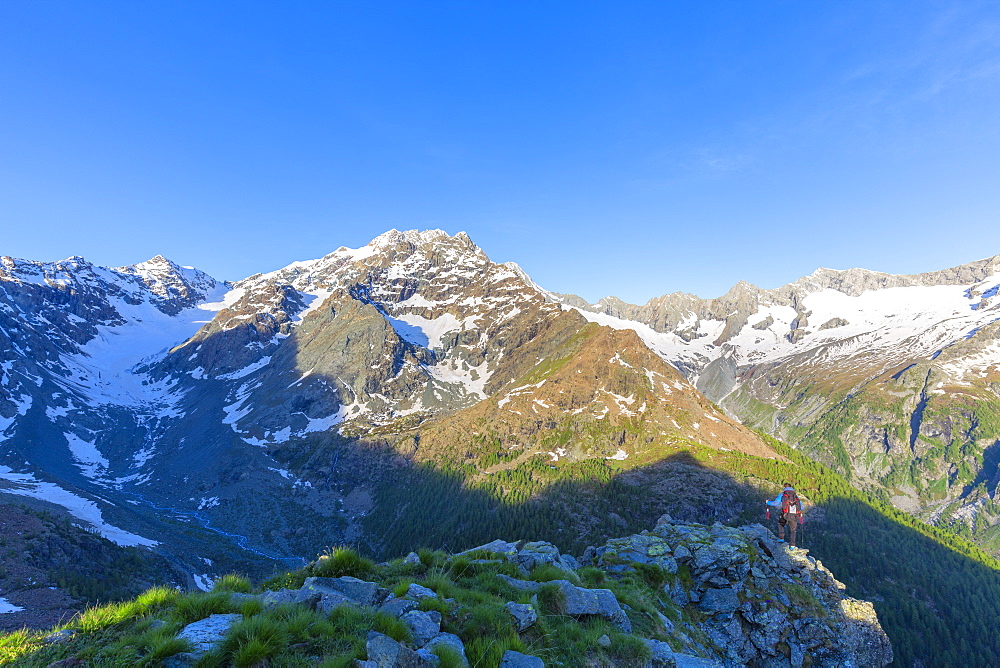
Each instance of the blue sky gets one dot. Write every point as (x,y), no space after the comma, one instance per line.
(627,148)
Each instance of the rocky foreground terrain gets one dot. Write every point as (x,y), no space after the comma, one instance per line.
(679,595)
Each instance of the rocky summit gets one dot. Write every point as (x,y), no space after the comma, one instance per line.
(684,595)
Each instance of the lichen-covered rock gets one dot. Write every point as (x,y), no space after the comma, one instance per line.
(524,615)
(766,603)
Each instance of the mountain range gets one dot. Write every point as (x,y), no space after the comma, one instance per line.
(260,419)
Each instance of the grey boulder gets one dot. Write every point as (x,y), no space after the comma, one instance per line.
(524,614)
(387,653)
(512,659)
(206,633)
(423,625)
(365,593)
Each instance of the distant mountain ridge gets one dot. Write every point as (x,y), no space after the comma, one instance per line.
(893,379)
(154,391)
(165,388)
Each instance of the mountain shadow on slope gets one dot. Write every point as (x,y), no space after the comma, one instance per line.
(923,591)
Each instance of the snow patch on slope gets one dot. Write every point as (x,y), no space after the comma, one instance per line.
(24,484)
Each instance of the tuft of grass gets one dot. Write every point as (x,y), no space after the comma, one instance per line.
(432,558)
(803,599)
(486,619)
(489,650)
(591,576)
(255,640)
(292,580)
(232,582)
(548,573)
(193,607)
(627,650)
(100,617)
(399,589)
(391,626)
(339,661)
(157,598)
(552,600)
(653,575)
(442,585)
(16,644)
(428,604)
(448,657)
(251,607)
(161,646)
(461,567)
(341,561)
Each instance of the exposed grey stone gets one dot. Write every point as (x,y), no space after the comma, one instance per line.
(448,640)
(206,633)
(238,598)
(412,559)
(677,594)
(271,599)
(687,661)
(512,659)
(522,585)
(537,553)
(524,614)
(181,660)
(387,653)
(715,601)
(420,591)
(423,625)
(604,640)
(397,607)
(570,561)
(329,602)
(59,636)
(365,593)
(496,546)
(429,656)
(662,655)
(599,602)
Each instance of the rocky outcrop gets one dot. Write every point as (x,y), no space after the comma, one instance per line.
(762,601)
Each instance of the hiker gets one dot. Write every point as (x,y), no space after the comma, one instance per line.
(789,512)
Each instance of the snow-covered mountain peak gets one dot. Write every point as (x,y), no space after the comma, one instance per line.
(416,237)
(176,287)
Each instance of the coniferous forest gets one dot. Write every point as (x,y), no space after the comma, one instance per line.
(936,594)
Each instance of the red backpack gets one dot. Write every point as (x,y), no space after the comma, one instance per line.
(790,503)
